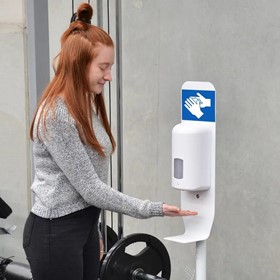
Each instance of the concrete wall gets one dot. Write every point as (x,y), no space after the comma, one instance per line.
(233,44)
(14,151)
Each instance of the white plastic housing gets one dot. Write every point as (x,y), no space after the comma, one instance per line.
(191,157)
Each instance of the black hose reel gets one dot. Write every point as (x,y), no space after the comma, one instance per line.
(145,265)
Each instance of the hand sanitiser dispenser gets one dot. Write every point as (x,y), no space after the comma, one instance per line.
(193,166)
(191,156)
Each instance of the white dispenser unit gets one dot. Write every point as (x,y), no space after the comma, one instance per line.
(191,154)
(193,165)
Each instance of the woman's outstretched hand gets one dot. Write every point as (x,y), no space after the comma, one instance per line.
(174,211)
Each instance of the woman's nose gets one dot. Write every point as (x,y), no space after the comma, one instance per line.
(108,76)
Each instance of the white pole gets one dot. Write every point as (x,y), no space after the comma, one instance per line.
(201,260)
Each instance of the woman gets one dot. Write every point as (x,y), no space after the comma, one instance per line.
(72,145)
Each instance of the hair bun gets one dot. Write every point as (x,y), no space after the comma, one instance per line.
(84,13)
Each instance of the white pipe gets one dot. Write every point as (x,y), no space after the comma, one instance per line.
(201,260)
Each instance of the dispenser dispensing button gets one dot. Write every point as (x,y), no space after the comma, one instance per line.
(178,168)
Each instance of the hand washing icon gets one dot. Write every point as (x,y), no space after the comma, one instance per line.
(195,103)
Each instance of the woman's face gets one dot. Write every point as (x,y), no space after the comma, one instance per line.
(100,68)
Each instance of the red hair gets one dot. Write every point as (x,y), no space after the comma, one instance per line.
(79,46)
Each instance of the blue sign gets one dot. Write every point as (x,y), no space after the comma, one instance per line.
(198,105)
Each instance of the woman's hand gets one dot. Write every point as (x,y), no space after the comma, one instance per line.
(174,211)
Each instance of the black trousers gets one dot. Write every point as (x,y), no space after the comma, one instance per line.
(65,248)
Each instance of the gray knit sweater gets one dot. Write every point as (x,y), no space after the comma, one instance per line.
(70,176)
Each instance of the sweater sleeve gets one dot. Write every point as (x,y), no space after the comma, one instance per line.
(63,143)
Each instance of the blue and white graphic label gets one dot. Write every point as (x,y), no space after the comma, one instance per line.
(198,105)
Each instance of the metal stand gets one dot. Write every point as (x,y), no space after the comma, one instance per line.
(201,260)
